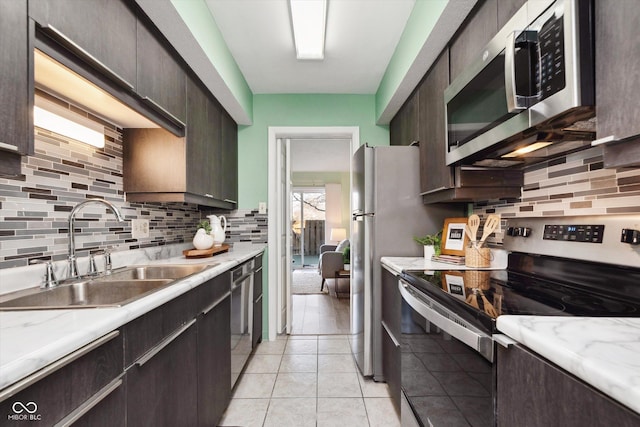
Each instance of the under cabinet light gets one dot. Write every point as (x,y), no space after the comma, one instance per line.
(308,19)
(63,121)
(528,149)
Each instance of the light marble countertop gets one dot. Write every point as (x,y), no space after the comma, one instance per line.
(30,340)
(397,264)
(603,352)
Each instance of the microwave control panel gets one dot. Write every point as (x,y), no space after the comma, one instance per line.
(550,70)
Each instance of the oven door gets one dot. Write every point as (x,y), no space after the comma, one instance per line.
(445,378)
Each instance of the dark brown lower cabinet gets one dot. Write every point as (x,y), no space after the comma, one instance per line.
(391,331)
(162,384)
(214,361)
(532,392)
(84,389)
(256,326)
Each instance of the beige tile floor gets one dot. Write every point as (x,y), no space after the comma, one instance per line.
(308,380)
(320,314)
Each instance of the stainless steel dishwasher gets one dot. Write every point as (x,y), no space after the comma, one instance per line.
(241,298)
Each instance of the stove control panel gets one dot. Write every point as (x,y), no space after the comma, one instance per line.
(574,233)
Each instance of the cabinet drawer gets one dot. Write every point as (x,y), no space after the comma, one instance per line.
(212,291)
(146,331)
(72,380)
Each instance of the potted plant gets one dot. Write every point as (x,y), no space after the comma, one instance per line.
(431,243)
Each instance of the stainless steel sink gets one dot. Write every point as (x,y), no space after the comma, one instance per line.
(86,294)
(145,272)
(121,287)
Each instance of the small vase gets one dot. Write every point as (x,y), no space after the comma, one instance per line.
(429,251)
(202,240)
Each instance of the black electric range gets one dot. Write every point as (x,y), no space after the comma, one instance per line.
(543,283)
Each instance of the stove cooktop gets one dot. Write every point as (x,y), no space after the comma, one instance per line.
(480,296)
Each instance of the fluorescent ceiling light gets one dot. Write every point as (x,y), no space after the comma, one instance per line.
(308,19)
(528,149)
(63,121)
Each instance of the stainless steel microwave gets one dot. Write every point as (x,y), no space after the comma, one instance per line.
(531,88)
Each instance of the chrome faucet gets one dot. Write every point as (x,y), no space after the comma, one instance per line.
(73,265)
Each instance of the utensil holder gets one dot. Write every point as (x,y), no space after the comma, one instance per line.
(477,279)
(477,257)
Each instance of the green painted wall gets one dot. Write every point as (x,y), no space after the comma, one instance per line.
(197,16)
(423,18)
(297,110)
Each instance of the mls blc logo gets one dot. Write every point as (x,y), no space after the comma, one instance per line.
(24,412)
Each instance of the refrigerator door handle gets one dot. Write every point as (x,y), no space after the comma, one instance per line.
(358,215)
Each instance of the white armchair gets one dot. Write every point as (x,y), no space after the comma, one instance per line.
(331,260)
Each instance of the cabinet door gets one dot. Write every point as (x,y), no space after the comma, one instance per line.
(16,81)
(256,329)
(214,157)
(617,65)
(198,169)
(475,34)
(162,388)
(160,77)
(506,10)
(533,392)
(214,363)
(434,172)
(409,123)
(394,129)
(229,178)
(104,29)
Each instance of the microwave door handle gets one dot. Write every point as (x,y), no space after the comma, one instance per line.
(524,39)
(510,74)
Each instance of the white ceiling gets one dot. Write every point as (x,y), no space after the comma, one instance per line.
(361,37)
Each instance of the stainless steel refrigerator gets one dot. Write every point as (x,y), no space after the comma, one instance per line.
(387,213)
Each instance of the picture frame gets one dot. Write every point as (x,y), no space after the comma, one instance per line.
(454,239)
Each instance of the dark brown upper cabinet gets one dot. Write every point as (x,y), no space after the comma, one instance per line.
(16,86)
(229,178)
(203,171)
(617,91)
(161,79)
(406,124)
(101,32)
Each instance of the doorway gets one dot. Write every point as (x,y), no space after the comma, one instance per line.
(280,234)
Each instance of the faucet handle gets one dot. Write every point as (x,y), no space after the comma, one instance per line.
(108,266)
(93,270)
(50,279)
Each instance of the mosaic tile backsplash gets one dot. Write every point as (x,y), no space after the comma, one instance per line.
(576,184)
(34,209)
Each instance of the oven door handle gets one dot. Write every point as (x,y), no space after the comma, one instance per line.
(481,343)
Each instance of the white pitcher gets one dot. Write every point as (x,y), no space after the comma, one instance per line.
(217,230)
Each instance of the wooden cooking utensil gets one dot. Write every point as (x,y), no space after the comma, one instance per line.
(474,224)
(469,233)
(472,300)
(490,225)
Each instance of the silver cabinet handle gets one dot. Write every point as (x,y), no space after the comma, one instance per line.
(61,37)
(259,298)
(9,147)
(162,110)
(151,353)
(504,340)
(434,190)
(231,201)
(215,303)
(53,367)
(393,338)
(90,403)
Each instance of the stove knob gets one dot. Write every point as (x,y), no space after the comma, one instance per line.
(630,236)
(510,231)
(517,231)
(526,231)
